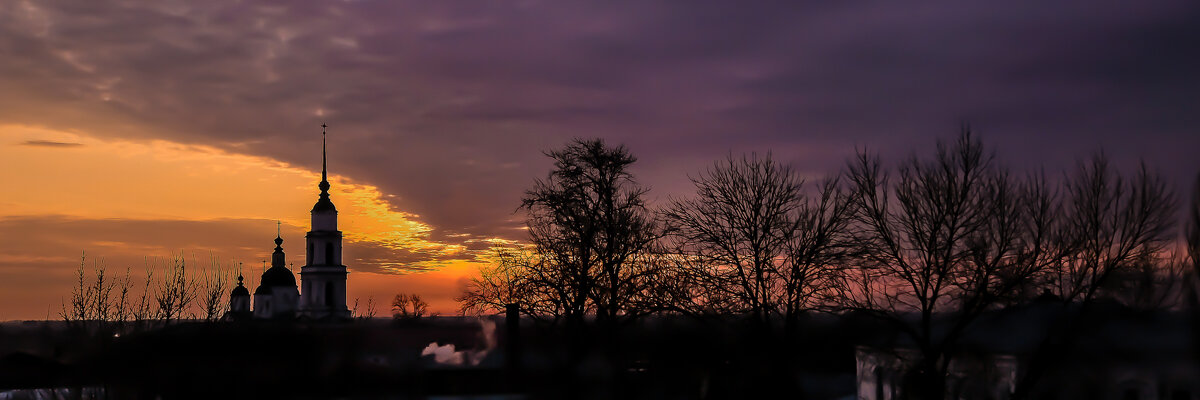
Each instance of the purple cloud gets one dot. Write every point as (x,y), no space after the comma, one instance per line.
(448,106)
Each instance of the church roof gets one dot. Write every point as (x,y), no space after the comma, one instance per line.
(278,276)
(324,204)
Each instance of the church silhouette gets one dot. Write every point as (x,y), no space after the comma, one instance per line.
(322,291)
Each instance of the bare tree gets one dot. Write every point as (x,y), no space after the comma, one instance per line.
(588,223)
(1113,224)
(949,238)
(509,280)
(368,313)
(1191,262)
(122,309)
(176,292)
(79,309)
(1114,233)
(1151,283)
(1192,242)
(817,245)
(213,290)
(688,284)
(739,224)
(99,303)
(372,310)
(407,307)
(144,311)
(752,241)
(101,293)
(91,303)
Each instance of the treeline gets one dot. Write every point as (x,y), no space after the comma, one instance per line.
(177,288)
(171,289)
(927,245)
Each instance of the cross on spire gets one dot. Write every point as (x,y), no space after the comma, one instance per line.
(323,158)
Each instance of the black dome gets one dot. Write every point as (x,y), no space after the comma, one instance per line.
(240,290)
(262,290)
(278,276)
(323,204)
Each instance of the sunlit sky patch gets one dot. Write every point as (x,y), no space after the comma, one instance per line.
(95,179)
(132,128)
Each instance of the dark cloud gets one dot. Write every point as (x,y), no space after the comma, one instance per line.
(248,241)
(126,242)
(448,106)
(49,143)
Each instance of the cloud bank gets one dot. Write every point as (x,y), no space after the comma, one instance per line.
(445,108)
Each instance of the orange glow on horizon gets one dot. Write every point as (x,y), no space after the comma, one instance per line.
(73,175)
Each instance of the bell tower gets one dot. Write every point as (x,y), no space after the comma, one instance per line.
(323,277)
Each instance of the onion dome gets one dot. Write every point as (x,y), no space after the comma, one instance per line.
(240,290)
(278,276)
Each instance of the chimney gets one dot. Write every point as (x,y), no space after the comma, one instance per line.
(512,338)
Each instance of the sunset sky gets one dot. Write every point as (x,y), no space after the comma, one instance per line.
(133,129)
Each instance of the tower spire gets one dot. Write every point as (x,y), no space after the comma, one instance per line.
(277,255)
(323,204)
(324,164)
(278,242)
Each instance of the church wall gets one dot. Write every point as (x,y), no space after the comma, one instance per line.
(324,221)
(285,301)
(262,306)
(306,292)
(339,293)
(315,280)
(317,246)
(239,304)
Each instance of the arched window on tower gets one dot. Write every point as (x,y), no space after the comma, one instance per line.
(328,253)
(329,294)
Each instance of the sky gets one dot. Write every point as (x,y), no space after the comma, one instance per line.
(131,130)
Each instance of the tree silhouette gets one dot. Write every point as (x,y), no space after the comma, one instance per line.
(100,303)
(739,224)
(509,280)
(408,307)
(371,308)
(753,242)
(1192,261)
(1112,224)
(818,245)
(589,227)
(174,295)
(213,288)
(947,238)
(1113,233)
(1192,247)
